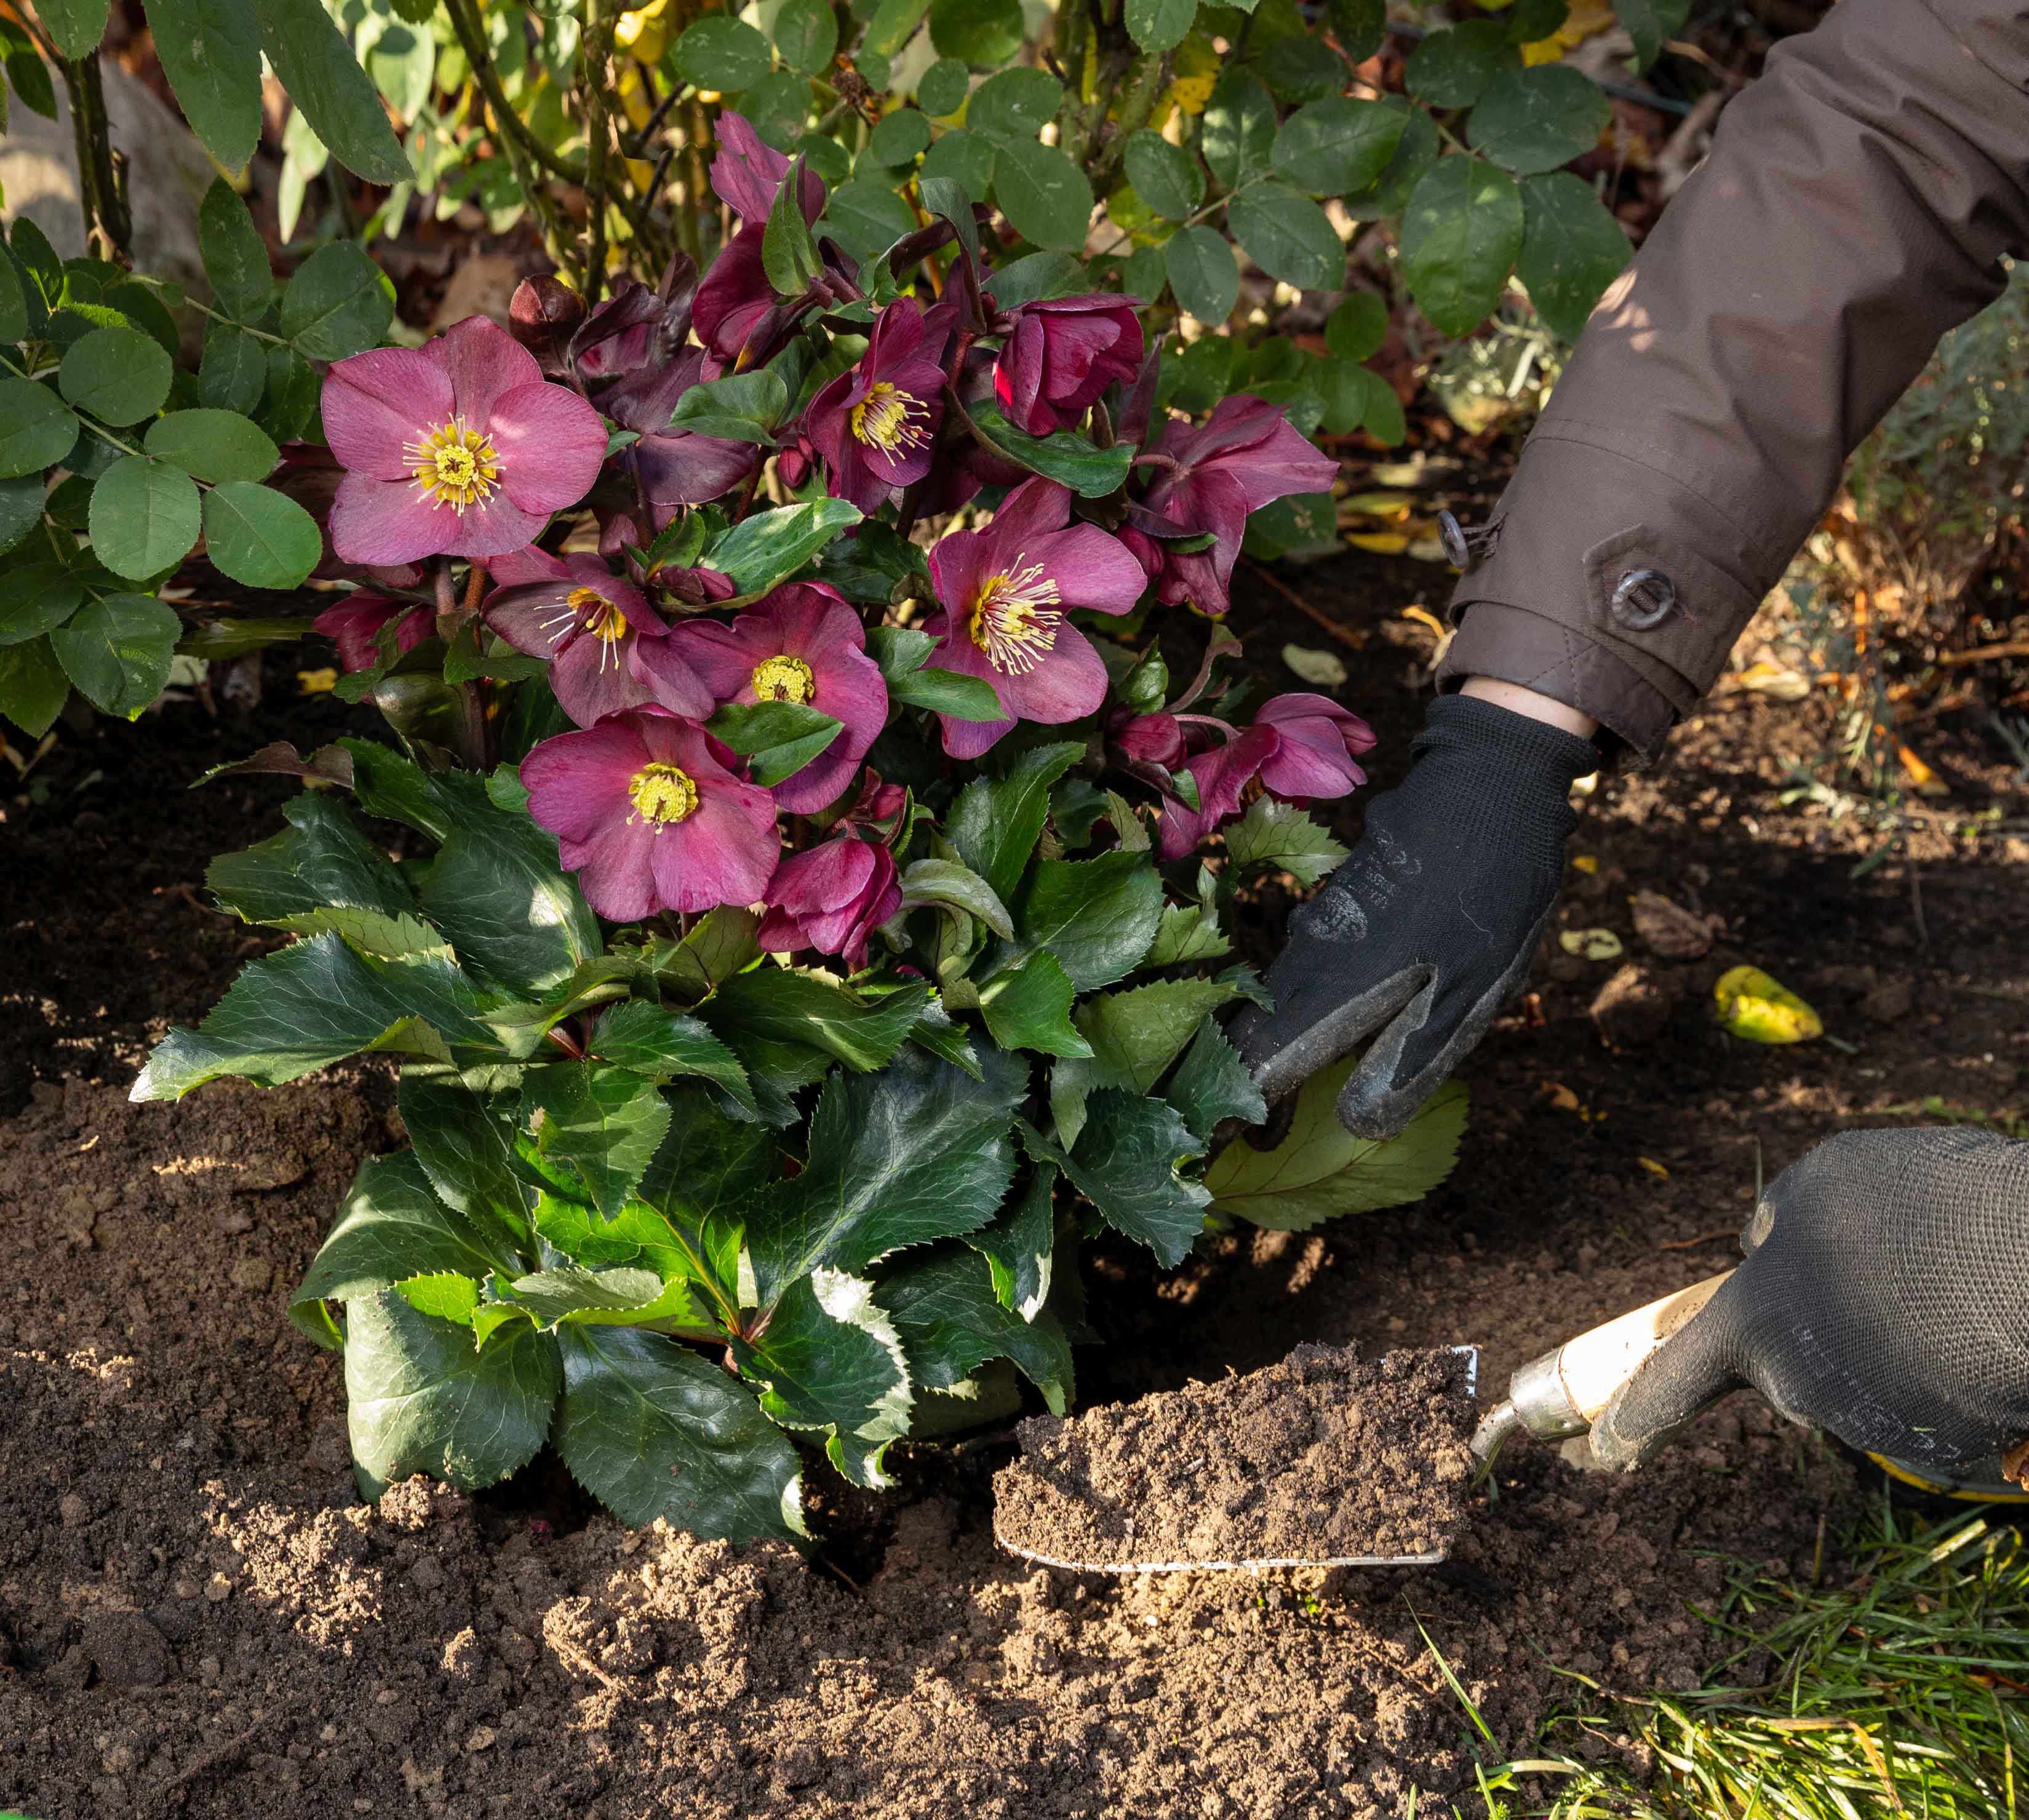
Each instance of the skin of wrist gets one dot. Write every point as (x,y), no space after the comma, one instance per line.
(1518,700)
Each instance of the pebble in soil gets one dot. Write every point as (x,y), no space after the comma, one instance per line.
(1320,1457)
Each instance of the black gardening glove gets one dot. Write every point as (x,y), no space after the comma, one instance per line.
(1884,1297)
(1430,924)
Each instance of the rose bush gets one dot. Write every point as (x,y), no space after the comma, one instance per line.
(808,938)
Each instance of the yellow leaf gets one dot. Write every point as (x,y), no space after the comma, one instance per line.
(1423,617)
(1561,1096)
(1543,50)
(1196,72)
(1585,863)
(1380,543)
(1753,1005)
(1928,782)
(1590,944)
(1653,1167)
(317,682)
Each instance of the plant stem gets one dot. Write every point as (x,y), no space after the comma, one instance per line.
(1151,81)
(595,56)
(468,711)
(471,37)
(102,194)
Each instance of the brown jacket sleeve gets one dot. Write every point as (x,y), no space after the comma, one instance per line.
(1856,205)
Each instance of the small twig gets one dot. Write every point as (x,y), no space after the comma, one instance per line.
(1916,905)
(578,1659)
(465,23)
(1983,653)
(1330,625)
(1699,1242)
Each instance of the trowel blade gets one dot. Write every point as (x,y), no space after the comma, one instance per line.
(1470,1354)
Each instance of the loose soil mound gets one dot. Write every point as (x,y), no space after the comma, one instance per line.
(1321,1456)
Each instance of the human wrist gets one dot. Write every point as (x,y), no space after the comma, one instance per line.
(1528,702)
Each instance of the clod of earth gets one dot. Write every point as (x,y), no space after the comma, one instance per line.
(1319,1458)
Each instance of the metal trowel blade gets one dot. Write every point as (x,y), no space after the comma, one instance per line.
(1471,1353)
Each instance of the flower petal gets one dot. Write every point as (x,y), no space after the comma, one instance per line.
(552,444)
(1067,685)
(496,528)
(1091,568)
(520,567)
(374,404)
(725,852)
(664,667)
(1034,509)
(483,361)
(376,520)
(592,678)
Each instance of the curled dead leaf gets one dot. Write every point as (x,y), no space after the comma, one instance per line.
(1318,668)
(1590,944)
(1670,930)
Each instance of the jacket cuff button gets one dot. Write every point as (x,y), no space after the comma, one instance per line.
(1644,597)
(1464,547)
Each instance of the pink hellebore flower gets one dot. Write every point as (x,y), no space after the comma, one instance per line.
(355,626)
(875,425)
(803,643)
(831,897)
(460,448)
(648,811)
(1300,746)
(1064,352)
(591,625)
(1005,591)
(734,294)
(1209,478)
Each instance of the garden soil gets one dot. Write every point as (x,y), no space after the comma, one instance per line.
(197,1618)
(1322,1455)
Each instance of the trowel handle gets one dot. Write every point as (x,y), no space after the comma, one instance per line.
(1562,1393)
(1594,1366)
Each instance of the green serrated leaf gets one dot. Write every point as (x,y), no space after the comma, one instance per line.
(830,1359)
(1212,1084)
(1028,1007)
(74,26)
(1280,836)
(941,691)
(986,34)
(1160,25)
(662,1043)
(1126,1163)
(464,1139)
(951,1322)
(1648,23)
(392,1226)
(1066,457)
(778,738)
(653,1430)
(234,371)
(788,1028)
(916,1152)
(766,547)
(721,53)
(320,861)
(38,597)
(1096,916)
(1013,105)
(420,1398)
(33,686)
(944,882)
(145,516)
(996,822)
(1166,177)
(1019,1246)
(309,1005)
(1320,1171)
(605,1121)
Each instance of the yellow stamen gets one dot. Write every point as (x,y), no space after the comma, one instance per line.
(455,466)
(661,794)
(784,679)
(887,418)
(603,618)
(1014,617)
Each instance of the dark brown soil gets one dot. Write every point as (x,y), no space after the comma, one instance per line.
(197,1619)
(1320,1457)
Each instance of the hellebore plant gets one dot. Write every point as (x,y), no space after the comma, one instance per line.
(782,964)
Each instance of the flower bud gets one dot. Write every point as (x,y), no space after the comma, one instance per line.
(543,315)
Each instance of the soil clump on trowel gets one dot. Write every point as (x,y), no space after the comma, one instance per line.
(1322,1457)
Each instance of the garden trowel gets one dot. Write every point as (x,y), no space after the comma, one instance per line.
(1560,1395)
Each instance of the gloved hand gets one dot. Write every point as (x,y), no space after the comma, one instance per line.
(1884,1297)
(1430,924)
